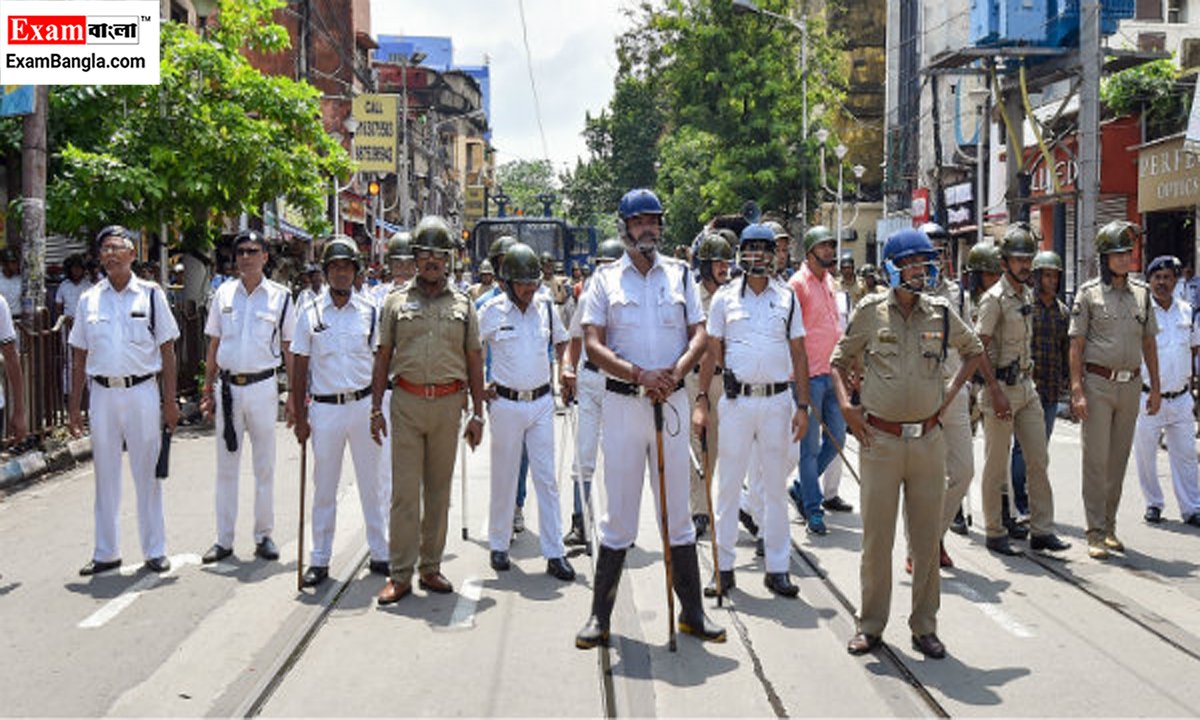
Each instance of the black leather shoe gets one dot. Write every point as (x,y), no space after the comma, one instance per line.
(1193,520)
(862,643)
(836,504)
(500,561)
(701,524)
(315,575)
(95,567)
(380,567)
(157,564)
(781,584)
(1049,542)
(559,567)
(929,646)
(576,536)
(1001,546)
(958,526)
(266,549)
(216,553)
(728,582)
(748,522)
(1153,515)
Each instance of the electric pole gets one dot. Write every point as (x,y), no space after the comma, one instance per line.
(1088,186)
(33,206)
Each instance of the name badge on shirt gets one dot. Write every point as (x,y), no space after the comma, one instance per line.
(412,305)
(502,328)
(931,335)
(137,313)
(227,309)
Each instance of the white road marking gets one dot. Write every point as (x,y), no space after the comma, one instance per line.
(464,610)
(113,607)
(992,610)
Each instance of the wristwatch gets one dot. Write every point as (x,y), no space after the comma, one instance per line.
(479,419)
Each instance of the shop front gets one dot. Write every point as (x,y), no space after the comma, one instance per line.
(1168,196)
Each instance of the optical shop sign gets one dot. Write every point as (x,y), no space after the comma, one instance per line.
(78,42)
(1168,176)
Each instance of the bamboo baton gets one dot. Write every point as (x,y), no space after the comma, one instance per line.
(666,539)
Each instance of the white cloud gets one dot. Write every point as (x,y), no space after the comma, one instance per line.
(573,57)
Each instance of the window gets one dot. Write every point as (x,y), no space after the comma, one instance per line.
(1176,11)
(1148,10)
(1149,41)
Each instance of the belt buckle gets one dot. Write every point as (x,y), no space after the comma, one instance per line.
(758,391)
(429,392)
(344,398)
(117,382)
(239,379)
(911,431)
(524,396)
(1123,375)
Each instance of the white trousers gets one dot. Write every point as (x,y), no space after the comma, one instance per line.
(630,448)
(333,427)
(765,421)
(590,391)
(517,424)
(752,494)
(129,416)
(255,409)
(1176,419)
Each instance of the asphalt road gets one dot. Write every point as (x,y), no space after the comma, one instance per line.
(1026,636)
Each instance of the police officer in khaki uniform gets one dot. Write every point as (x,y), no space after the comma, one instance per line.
(714,255)
(1112,333)
(429,347)
(1011,406)
(901,338)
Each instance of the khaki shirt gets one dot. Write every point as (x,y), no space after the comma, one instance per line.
(857,290)
(960,301)
(1114,322)
(429,337)
(1005,317)
(902,357)
(706,297)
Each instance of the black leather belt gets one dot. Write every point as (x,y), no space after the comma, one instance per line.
(522,395)
(343,398)
(623,388)
(588,364)
(1167,395)
(756,390)
(127,381)
(243,379)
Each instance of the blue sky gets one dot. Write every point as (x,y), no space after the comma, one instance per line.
(574,60)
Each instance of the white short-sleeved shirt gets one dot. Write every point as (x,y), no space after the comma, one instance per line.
(756,329)
(10,290)
(306,295)
(251,327)
(68,294)
(341,343)
(575,330)
(645,317)
(8,334)
(519,341)
(114,328)
(1177,335)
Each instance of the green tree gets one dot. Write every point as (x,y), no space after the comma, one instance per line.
(1154,89)
(215,138)
(523,180)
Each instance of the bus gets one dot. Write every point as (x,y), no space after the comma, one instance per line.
(543,234)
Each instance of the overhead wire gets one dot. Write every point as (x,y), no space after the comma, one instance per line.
(537,105)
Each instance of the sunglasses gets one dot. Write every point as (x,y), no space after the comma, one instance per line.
(247,251)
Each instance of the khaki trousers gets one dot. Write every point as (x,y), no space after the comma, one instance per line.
(1107,440)
(716,390)
(1028,424)
(919,467)
(960,455)
(424,444)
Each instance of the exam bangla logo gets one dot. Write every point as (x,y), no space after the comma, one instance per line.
(73,29)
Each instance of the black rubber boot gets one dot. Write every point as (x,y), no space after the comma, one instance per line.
(686,571)
(576,535)
(604,596)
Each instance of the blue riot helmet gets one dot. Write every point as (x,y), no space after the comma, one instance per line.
(639,201)
(756,250)
(904,244)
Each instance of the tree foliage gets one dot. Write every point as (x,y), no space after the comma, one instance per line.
(707,109)
(215,138)
(523,180)
(1154,89)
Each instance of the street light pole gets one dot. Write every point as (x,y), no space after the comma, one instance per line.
(840,151)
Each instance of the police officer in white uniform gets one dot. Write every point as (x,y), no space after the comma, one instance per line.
(644,328)
(250,324)
(1177,340)
(518,327)
(756,332)
(336,336)
(123,338)
(581,379)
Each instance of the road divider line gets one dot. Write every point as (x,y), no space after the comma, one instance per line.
(463,617)
(993,611)
(114,607)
